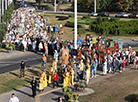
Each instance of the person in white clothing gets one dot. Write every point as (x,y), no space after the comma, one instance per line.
(87,75)
(14,98)
(105,68)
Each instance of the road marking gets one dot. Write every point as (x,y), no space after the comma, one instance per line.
(37,98)
(48,92)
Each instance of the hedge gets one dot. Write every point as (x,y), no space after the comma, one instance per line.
(114,26)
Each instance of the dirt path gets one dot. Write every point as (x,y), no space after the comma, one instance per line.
(118,88)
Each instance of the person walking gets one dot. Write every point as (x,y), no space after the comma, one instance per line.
(87,75)
(14,98)
(44,61)
(22,69)
(33,84)
(105,67)
(56,78)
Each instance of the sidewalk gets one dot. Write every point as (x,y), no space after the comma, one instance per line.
(49,94)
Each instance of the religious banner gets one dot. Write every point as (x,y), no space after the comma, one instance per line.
(100,36)
(113,50)
(101,57)
(87,37)
(65,55)
(116,45)
(116,40)
(102,41)
(107,44)
(117,48)
(79,56)
(108,51)
(112,44)
(79,42)
(101,47)
(120,42)
(94,40)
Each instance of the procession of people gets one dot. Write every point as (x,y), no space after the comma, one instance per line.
(67,65)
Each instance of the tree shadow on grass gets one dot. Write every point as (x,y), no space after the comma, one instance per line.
(130,98)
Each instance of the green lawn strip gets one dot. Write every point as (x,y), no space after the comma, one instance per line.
(13,85)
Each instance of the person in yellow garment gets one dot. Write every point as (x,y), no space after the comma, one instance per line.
(81,66)
(41,87)
(51,72)
(66,79)
(44,77)
(87,75)
(89,68)
(72,76)
(54,65)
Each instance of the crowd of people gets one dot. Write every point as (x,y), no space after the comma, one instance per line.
(28,31)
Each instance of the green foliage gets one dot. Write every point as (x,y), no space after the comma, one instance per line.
(8,13)
(107,5)
(3,29)
(115,27)
(66,89)
(81,31)
(69,95)
(5,19)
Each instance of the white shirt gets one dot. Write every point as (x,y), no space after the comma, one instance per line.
(15,99)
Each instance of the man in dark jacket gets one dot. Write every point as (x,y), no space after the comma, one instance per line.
(22,69)
(116,64)
(33,84)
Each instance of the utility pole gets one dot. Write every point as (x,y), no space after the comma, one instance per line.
(55,6)
(5,4)
(2,1)
(94,5)
(0,11)
(75,24)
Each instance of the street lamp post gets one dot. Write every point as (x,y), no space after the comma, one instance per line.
(94,5)
(2,1)
(55,6)
(0,11)
(75,24)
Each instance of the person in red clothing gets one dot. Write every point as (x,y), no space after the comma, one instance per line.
(124,63)
(56,78)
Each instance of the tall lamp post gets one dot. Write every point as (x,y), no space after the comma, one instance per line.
(55,6)
(94,5)
(75,24)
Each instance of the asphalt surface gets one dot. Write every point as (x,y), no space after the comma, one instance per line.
(11,64)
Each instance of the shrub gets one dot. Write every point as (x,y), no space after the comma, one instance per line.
(69,24)
(86,17)
(62,17)
(114,26)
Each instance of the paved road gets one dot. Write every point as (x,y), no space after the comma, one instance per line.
(11,64)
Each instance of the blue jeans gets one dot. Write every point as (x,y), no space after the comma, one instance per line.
(44,64)
(94,73)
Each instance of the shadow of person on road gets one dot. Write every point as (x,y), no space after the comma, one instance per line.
(14,74)
(22,92)
(57,93)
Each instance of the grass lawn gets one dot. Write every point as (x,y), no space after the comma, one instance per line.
(118,88)
(68,32)
(11,81)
